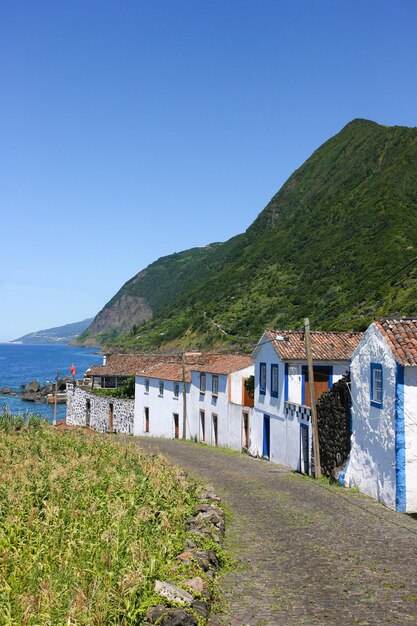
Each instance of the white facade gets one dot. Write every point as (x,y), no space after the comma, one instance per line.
(410,427)
(282,429)
(217,418)
(383,457)
(159,414)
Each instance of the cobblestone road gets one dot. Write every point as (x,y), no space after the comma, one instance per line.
(307,553)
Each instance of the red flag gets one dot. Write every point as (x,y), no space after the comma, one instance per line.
(73,370)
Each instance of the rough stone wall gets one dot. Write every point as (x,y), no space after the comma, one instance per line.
(333,417)
(123,411)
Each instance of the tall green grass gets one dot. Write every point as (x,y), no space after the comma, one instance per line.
(86,525)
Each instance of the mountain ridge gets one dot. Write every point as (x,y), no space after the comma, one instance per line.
(340,223)
(57,334)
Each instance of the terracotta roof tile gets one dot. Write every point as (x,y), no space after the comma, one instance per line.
(221,363)
(126,364)
(325,346)
(166,371)
(169,367)
(199,362)
(401,336)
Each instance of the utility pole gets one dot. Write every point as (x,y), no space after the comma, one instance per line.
(316,446)
(184,398)
(55,398)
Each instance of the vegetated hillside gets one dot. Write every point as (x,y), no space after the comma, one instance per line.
(332,244)
(59,334)
(149,292)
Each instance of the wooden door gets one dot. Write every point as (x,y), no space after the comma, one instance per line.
(176,426)
(202,426)
(304,450)
(146,419)
(88,413)
(321,382)
(245,430)
(111,416)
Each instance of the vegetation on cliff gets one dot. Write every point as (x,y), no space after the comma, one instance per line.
(338,243)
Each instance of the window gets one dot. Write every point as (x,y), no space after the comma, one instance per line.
(146,386)
(202,383)
(376,385)
(176,390)
(274,381)
(161,387)
(262,378)
(215,385)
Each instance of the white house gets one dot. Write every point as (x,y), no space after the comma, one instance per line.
(159,399)
(117,368)
(383,457)
(106,413)
(220,408)
(282,430)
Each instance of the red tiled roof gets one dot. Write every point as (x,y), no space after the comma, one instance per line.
(126,364)
(325,346)
(200,362)
(221,363)
(169,367)
(401,336)
(166,371)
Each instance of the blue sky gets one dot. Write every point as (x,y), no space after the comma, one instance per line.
(134,129)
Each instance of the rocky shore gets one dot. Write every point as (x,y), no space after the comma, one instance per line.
(34,392)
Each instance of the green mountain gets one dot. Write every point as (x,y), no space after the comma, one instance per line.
(337,243)
(59,334)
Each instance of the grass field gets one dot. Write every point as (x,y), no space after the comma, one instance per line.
(86,526)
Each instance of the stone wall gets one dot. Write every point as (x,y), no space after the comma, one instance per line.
(333,417)
(85,408)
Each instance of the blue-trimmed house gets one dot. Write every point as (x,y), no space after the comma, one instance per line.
(282,429)
(383,457)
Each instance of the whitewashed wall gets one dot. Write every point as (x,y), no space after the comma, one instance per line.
(285,435)
(236,383)
(235,426)
(210,404)
(123,411)
(161,408)
(371,465)
(284,444)
(410,424)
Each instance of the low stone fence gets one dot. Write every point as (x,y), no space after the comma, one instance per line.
(333,416)
(101,413)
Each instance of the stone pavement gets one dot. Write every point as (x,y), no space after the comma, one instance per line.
(307,553)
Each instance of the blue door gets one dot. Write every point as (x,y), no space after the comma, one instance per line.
(266,443)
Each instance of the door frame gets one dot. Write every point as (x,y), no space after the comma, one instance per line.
(176,419)
(202,426)
(266,439)
(245,431)
(306,469)
(304,373)
(215,429)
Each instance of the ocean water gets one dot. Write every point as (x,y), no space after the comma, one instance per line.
(20,363)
